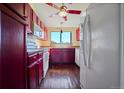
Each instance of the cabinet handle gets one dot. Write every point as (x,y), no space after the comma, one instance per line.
(32,64)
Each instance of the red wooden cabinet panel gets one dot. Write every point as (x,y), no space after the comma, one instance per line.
(18,8)
(68,55)
(32,58)
(62,55)
(40,67)
(55,55)
(40,55)
(38,21)
(29,18)
(35,69)
(32,76)
(40,24)
(78,34)
(12,52)
(35,19)
(45,34)
(40,72)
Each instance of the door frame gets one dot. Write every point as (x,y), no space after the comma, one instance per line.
(121,45)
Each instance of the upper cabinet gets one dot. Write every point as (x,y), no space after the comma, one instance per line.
(29,18)
(18,8)
(38,21)
(35,19)
(78,34)
(45,34)
(34,25)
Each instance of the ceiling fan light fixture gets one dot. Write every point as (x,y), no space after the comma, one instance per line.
(63,13)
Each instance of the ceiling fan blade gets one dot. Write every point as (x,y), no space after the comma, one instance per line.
(74,11)
(65,18)
(53,5)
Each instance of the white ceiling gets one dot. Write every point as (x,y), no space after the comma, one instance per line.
(44,11)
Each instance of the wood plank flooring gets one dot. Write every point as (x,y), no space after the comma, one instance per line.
(61,76)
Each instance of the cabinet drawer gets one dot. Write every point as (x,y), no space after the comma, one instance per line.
(32,58)
(40,55)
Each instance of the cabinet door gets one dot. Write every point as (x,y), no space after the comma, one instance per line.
(68,55)
(40,71)
(35,17)
(18,8)
(40,24)
(38,21)
(45,34)
(55,55)
(32,76)
(29,18)
(13,55)
(32,58)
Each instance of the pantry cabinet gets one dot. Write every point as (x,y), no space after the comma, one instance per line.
(12,52)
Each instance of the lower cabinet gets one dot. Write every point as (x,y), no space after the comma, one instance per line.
(40,67)
(32,76)
(62,55)
(35,70)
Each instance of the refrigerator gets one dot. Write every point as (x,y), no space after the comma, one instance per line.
(99,47)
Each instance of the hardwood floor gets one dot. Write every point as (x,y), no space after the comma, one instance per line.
(61,76)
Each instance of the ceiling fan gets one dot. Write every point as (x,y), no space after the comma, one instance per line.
(63,10)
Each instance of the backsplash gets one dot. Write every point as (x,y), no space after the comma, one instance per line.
(32,42)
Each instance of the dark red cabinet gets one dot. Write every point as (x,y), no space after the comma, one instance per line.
(45,33)
(68,55)
(32,74)
(29,18)
(32,58)
(18,8)
(35,19)
(12,52)
(38,21)
(62,55)
(35,69)
(40,68)
(55,55)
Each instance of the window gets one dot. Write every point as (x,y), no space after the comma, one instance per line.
(58,37)
(55,37)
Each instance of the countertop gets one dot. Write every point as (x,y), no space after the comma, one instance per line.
(31,51)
